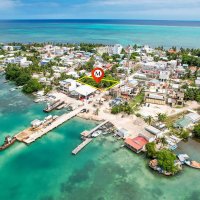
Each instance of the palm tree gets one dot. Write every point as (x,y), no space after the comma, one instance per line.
(97,111)
(161,117)
(163,141)
(149,120)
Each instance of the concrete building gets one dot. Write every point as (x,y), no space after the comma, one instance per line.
(68,85)
(197,82)
(164,75)
(117,49)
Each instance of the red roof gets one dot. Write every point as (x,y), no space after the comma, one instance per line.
(193,68)
(137,143)
(108,66)
(172,51)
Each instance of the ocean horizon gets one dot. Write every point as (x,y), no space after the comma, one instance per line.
(155,33)
(114,21)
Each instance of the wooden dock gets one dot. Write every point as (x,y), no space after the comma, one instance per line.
(81,146)
(96,128)
(54,106)
(85,134)
(28,135)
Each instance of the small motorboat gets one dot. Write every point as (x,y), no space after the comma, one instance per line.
(12,89)
(96,133)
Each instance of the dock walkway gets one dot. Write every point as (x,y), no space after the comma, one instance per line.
(86,140)
(31,136)
(97,127)
(81,146)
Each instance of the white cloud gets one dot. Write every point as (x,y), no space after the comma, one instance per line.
(9,4)
(144,3)
(139,9)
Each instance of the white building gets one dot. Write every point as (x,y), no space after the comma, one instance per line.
(74,74)
(68,85)
(154,131)
(164,75)
(117,49)
(22,61)
(197,82)
(85,90)
(106,49)
(8,48)
(147,49)
(57,75)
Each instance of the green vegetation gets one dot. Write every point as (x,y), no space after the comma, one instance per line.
(193,52)
(169,121)
(89,47)
(184,134)
(161,117)
(196,131)
(134,55)
(163,141)
(192,94)
(113,69)
(106,57)
(151,150)
(188,56)
(149,120)
(172,56)
(22,77)
(105,83)
(166,160)
(19,75)
(181,133)
(129,107)
(137,101)
(2,52)
(125,107)
(32,86)
(190,60)
(88,66)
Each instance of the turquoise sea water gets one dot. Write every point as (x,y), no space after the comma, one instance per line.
(154,33)
(46,170)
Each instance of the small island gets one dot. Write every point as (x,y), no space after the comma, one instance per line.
(150,95)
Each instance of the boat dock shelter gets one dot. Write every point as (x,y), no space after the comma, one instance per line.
(30,135)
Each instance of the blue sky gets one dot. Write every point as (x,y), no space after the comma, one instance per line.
(100,9)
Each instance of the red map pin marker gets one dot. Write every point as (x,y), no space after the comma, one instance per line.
(97,74)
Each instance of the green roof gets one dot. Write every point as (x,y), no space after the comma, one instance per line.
(182,123)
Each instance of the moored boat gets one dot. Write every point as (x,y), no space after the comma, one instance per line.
(193,164)
(185,159)
(7,143)
(96,133)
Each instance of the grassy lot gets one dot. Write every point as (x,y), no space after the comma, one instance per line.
(105,83)
(134,103)
(172,119)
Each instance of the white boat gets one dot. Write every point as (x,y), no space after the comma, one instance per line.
(96,133)
(39,100)
(183,157)
(12,89)
(19,87)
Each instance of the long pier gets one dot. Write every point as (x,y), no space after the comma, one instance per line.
(28,136)
(88,133)
(81,146)
(86,140)
(54,106)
